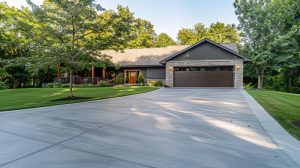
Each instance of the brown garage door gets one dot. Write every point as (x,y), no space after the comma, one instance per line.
(203,76)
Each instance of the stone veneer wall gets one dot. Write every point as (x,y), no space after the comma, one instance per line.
(238,74)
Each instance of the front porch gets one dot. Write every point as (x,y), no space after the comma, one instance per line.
(87,76)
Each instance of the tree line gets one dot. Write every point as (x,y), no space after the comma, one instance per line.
(271,37)
(72,33)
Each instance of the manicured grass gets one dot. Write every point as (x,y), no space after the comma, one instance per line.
(12,99)
(284,107)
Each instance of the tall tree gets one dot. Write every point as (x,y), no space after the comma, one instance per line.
(218,32)
(221,33)
(271,34)
(200,31)
(144,34)
(74,33)
(14,45)
(286,46)
(254,20)
(164,40)
(187,36)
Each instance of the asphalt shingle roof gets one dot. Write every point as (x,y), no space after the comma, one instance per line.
(149,56)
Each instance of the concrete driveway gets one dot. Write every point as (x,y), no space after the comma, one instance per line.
(166,128)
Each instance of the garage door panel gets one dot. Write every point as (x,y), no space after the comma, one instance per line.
(227,79)
(204,77)
(197,79)
(211,79)
(182,79)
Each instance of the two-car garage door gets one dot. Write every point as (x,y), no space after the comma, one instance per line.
(203,76)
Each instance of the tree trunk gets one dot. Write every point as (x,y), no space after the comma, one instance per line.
(260,80)
(71,84)
(289,86)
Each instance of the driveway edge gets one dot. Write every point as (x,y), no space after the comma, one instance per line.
(278,134)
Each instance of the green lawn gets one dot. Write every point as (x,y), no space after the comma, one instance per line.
(12,99)
(284,107)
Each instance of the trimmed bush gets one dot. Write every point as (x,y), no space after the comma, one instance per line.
(87,85)
(56,85)
(3,86)
(141,79)
(67,85)
(120,79)
(52,85)
(155,83)
(103,84)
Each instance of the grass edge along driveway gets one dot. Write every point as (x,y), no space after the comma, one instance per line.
(13,99)
(284,107)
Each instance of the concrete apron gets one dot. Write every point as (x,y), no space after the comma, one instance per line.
(287,143)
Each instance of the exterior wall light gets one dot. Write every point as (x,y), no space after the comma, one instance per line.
(238,67)
(170,68)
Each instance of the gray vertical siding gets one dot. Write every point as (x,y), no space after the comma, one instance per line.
(205,51)
(144,72)
(156,73)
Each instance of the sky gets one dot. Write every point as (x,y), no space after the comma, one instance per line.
(169,16)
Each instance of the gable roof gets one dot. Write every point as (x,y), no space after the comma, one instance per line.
(231,47)
(142,56)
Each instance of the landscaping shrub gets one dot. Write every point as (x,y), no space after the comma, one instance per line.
(249,86)
(103,84)
(86,85)
(67,85)
(52,85)
(56,85)
(141,79)
(155,83)
(120,79)
(3,86)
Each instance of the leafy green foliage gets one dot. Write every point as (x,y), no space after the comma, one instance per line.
(164,40)
(218,32)
(3,85)
(141,79)
(76,33)
(120,79)
(103,84)
(155,83)
(221,33)
(144,34)
(272,40)
(187,36)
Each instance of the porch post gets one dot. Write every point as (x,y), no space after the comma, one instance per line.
(58,71)
(93,73)
(103,72)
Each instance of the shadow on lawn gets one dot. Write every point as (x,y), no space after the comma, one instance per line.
(70,99)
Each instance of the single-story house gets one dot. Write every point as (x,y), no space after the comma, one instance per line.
(204,64)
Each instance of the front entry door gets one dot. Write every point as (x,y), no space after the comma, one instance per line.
(132,77)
